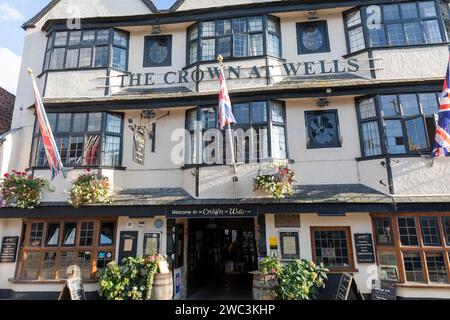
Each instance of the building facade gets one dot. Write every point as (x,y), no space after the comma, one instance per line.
(342,92)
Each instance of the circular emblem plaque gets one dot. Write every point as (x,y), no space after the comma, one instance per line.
(312,38)
(158,52)
(322,130)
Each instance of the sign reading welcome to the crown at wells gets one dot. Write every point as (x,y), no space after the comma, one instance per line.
(211,212)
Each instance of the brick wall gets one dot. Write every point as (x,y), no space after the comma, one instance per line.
(6,109)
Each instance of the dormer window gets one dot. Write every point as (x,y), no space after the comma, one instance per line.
(234,38)
(84,49)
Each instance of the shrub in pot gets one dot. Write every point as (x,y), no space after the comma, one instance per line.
(265,279)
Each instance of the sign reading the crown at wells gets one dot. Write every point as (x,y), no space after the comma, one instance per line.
(9,249)
(211,212)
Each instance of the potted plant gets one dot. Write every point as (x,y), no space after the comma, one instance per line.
(265,279)
(300,280)
(21,190)
(89,188)
(279,184)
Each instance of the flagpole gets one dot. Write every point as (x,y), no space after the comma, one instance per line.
(230,136)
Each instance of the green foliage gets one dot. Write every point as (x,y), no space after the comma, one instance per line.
(300,280)
(21,190)
(279,184)
(90,188)
(270,266)
(131,281)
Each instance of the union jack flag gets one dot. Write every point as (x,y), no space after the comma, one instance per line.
(442,145)
(225,112)
(48,140)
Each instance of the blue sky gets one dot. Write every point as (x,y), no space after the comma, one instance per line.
(13,13)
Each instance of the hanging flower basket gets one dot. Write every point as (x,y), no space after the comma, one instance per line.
(21,190)
(280,184)
(90,188)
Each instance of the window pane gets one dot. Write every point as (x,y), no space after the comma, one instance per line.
(446,225)
(353,18)
(63,148)
(66,259)
(193,33)
(191,119)
(427,9)
(92,150)
(101,56)
(61,38)
(111,151)
(52,239)
(69,233)
(85,57)
(413,33)
(75,154)
(50,41)
(388,266)
(208,49)
(193,53)
(396,35)
(394,133)
(240,47)
(86,234)
(273,44)
(410,106)
(106,233)
(223,27)
(437,271)
(409,10)
(242,113)
(391,12)
(48,270)
(356,39)
(413,266)
(430,231)
(79,122)
(57,58)
(103,258)
(72,58)
(113,123)
(273,25)
(259,112)
(239,25)
(262,142)
(31,264)
(256,44)
(36,234)
(331,248)
(88,37)
(408,231)
(371,138)
(120,38)
(277,112)
(383,228)
(119,58)
(367,108)
(255,24)
(389,105)
(102,36)
(417,136)
(95,122)
(208,118)
(279,142)
(64,120)
(429,103)
(432,31)
(84,261)
(224,46)
(74,38)
(377,36)
(208,29)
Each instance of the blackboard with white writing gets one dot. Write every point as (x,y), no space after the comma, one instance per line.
(344,287)
(364,248)
(73,290)
(384,293)
(9,249)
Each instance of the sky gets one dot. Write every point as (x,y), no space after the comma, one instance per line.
(13,13)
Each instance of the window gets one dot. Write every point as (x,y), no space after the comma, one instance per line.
(408,123)
(76,49)
(51,260)
(312,37)
(323,129)
(158,51)
(332,247)
(388,266)
(251,133)
(410,23)
(237,38)
(418,247)
(446,225)
(83,139)
(383,231)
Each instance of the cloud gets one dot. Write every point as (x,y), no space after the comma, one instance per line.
(9,69)
(8,13)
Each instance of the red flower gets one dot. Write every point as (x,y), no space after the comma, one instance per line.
(6,175)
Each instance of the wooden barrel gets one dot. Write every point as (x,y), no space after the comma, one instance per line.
(162,286)
(263,287)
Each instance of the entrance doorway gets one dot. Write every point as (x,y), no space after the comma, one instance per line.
(221,253)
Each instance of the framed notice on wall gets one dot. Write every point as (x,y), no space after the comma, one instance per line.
(289,242)
(152,244)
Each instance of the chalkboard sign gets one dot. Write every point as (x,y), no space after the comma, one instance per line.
(344,286)
(364,248)
(73,290)
(9,249)
(384,293)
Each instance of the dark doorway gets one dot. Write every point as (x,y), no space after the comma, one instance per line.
(221,253)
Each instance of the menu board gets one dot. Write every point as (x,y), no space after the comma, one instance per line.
(9,249)
(151,244)
(344,287)
(384,293)
(289,245)
(364,248)
(73,290)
